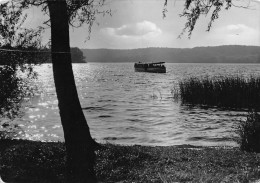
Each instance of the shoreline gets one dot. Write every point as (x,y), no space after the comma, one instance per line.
(34,161)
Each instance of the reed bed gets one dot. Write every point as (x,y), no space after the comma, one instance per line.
(223,92)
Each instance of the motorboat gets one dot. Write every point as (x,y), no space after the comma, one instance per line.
(155,67)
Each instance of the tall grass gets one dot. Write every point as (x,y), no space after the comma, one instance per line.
(224,92)
(249,133)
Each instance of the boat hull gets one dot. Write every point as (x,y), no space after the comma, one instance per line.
(153,70)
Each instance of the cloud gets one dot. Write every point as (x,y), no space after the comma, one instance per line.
(136,35)
(236,34)
(236,29)
(139,29)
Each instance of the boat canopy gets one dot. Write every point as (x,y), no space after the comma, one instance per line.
(157,62)
(150,62)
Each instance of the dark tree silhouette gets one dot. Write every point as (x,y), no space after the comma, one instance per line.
(62,13)
(77,55)
(79,144)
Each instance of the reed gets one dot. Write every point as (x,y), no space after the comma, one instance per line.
(248,132)
(224,92)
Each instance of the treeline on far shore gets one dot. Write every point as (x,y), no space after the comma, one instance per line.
(215,54)
(38,56)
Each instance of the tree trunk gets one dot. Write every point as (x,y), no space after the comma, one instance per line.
(78,141)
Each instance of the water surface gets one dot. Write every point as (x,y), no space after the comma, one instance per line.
(127,107)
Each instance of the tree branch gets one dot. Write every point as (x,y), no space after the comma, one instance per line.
(194,8)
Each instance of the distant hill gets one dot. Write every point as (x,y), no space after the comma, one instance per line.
(218,54)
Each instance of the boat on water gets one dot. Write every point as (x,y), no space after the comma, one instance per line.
(155,67)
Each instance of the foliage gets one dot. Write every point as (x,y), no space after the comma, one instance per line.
(11,92)
(77,55)
(18,54)
(249,133)
(79,11)
(194,9)
(223,92)
(19,46)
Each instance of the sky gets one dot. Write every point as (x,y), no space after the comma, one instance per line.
(140,24)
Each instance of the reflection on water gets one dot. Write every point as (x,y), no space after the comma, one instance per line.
(127,107)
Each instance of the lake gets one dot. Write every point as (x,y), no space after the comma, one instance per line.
(127,107)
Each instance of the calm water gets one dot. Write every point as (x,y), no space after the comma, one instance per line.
(127,107)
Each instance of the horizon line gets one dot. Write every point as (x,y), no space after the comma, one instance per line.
(164,47)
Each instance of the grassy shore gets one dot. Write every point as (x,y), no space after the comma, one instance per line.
(224,92)
(29,161)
